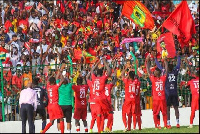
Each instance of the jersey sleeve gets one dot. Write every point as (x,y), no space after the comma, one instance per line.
(74,87)
(93,76)
(138,85)
(188,83)
(125,80)
(58,85)
(105,77)
(164,77)
(151,78)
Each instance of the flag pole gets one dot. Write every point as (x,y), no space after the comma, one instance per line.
(2,91)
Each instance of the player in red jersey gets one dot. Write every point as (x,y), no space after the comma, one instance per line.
(130,96)
(92,102)
(109,115)
(137,105)
(54,110)
(194,87)
(158,92)
(102,105)
(80,104)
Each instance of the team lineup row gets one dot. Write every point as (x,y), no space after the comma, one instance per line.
(59,98)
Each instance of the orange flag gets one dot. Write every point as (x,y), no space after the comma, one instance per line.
(138,13)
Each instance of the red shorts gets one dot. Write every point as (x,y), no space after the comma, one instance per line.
(80,113)
(138,109)
(103,106)
(195,103)
(159,105)
(94,110)
(128,107)
(55,111)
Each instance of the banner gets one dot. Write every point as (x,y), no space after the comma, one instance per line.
(165,45)
(127,40)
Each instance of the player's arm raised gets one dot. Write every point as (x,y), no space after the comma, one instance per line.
(166,67)
(59,73)
(88,76)
(123,72)
(107,67)
(94,67)
(157,63)
(147,64)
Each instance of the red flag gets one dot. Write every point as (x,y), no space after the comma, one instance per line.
(138,13)
(7,25)
(24,25)
(181,23)
(168,40)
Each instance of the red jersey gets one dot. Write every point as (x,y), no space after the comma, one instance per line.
(52,91)
(130,88)
(137,91)
(108,88)
(99,86)
(194,86)
(158,86)
(80,96)
(92,91)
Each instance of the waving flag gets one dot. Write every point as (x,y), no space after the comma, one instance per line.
(138,13)
(79,54)
(181,23)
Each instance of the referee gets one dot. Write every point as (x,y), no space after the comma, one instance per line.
(28,104)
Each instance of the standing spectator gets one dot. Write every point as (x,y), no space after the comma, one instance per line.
(28,104)
(27,76)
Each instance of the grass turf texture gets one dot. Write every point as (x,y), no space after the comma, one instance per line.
(182,129)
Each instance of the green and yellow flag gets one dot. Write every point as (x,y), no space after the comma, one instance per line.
(138,13)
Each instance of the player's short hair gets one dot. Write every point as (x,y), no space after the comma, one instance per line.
(79,80)
(99,72)
(132,74)
(52,80)
(36,81)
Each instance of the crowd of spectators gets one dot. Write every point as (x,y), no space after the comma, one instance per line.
(44,32)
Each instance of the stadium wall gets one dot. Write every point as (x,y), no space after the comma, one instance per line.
(147,122)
